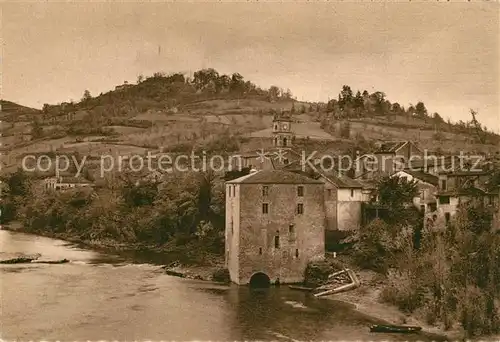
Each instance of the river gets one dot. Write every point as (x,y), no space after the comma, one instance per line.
(101,296)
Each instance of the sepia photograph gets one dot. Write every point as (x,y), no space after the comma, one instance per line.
(250,170)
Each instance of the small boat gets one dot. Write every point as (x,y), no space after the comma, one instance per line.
(385,328)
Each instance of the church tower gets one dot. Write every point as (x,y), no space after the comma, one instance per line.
(282,131)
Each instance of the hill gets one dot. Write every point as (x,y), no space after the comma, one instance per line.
(223,113)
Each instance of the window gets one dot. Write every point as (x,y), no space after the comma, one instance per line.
(296,253)
(275,127)
(291,229)
(444,200)
(447,217)
(265,208)
(276,241)
(260,251)
(352,192)
(443,184)
(265,190)
(329,192)
(300,208)
(300,191)
(229,190)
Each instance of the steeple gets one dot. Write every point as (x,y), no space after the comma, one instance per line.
(282,130)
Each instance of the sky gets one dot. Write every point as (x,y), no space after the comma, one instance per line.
(445,54)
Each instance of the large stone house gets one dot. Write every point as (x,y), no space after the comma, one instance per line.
(275,225)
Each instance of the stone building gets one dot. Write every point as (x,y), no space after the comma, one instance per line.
(275,225)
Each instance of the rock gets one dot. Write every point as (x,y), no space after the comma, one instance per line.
(175,273)
(18,258)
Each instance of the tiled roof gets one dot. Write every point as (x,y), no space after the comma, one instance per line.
(275,177)
(423,176)
(343,181)
(466,173)
(392,146)
(74,180)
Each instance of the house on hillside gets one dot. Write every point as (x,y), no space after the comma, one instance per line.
(390,157)
(427,186)
(64,183)
(343,202)
(275,225)
(456,188)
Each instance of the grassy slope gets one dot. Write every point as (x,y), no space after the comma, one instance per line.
(193,119)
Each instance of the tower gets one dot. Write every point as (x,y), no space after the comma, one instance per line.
(282,132)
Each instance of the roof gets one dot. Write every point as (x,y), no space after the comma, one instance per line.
(275,177)
(282,117)
(343,181)
(390,147)
(393,146)
(423,176)
(74,180)
(463,191)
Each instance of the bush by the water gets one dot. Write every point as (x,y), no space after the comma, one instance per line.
(317,272)
(184,211)
(221,275)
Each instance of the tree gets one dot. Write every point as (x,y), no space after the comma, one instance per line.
(140,78)
(274,93)
(420,110)
(396,191)
(237,84)
(36,130)
(358,101)
(202,78)
(86,95)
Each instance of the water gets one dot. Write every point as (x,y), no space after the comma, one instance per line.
(105,297)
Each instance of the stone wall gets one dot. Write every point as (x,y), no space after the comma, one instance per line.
(257,252)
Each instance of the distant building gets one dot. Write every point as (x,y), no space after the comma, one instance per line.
(389,158)
(427,186)
(63,183)
(456,188)
(275,225)
(343,202)
(283,135)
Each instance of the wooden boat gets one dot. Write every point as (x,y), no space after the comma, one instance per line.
(386,328)
(301,288)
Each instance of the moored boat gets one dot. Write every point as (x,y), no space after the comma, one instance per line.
(386,328)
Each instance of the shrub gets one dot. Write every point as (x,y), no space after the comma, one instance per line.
(374,249)
(221,275)
(402,292)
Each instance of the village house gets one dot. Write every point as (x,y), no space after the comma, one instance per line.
(64,183)
(427,185)
(460,187)
(275,225)
(388,159)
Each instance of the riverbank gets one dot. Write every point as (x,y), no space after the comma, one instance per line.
(366,300)
(186,261)
(209,268)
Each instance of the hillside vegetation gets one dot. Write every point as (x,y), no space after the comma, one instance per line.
(174,112)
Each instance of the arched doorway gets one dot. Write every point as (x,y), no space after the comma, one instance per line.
(260,280)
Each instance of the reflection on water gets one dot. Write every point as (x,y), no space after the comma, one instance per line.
(100,296)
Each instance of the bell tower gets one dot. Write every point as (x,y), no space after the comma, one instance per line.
(282,131)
